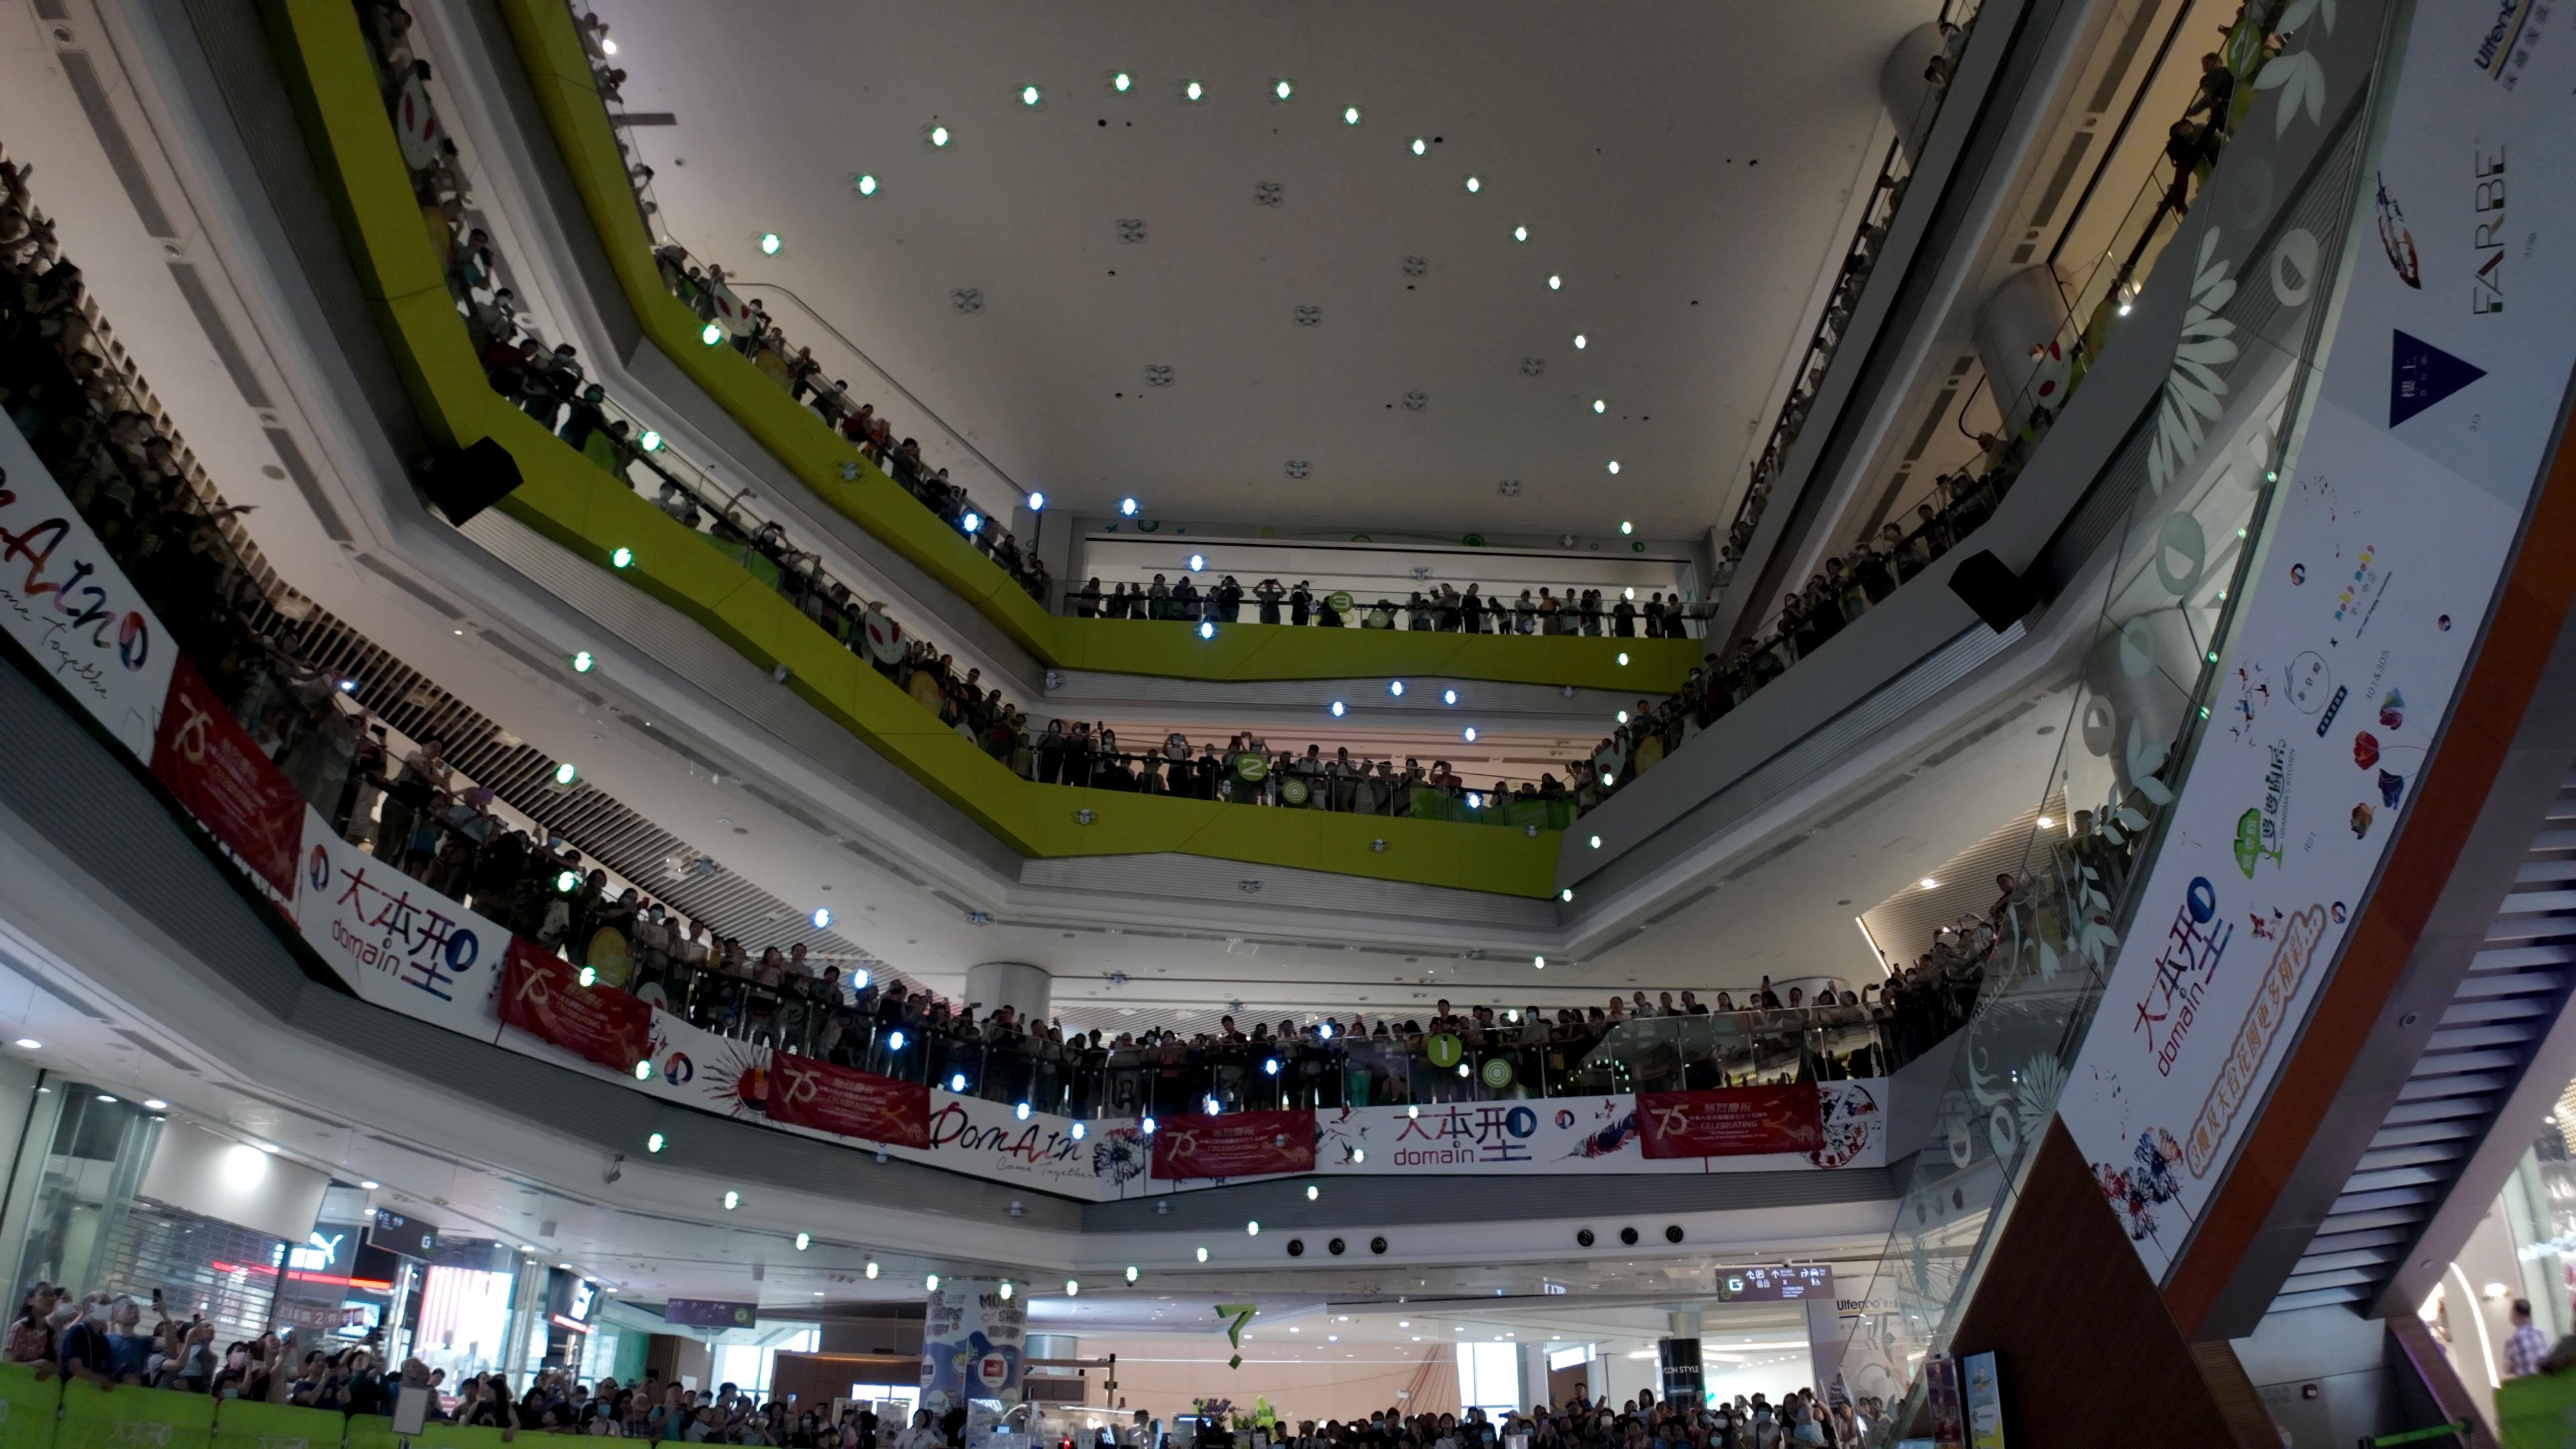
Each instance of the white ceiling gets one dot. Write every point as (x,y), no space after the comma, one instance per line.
(1685,171)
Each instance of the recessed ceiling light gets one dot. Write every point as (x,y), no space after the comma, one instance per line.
(1473,184)
(28,1044)
(1282,89)
(1554,282)
(939,135)
(1600,405)
(370,1185)
(1539,961)
(1581,342)
(106,1098)
(1929,883)
(155,1104)
(711,334)
(1350,115)
(1193,92)
(1448,696)
(1520,233)
(1339,709)
(1614,465)
(769,244)
(1626,528)
(1122,82)
(1596,842)
(1030,96)
(1420,147)
(2045,822)
(608,47)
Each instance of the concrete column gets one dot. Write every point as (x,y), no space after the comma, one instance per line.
(1677,1356)
(1902,85)
(2025,311)
(1024,988)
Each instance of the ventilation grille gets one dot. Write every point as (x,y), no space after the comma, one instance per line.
(2506,1001)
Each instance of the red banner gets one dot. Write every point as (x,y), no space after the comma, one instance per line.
(806,1093)
(1729,1122)
(1238,1144)
(542,996)
(226,781)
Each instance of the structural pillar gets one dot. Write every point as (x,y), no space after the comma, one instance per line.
(2024,312)
(1677,1356)
(1024,988)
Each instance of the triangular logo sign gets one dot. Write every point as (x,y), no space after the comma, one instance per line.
(2420,375)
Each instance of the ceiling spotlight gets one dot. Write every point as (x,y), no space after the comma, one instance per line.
(804,1241)
(1555,282)
(1127,507)
(711,334)
(1252,1229)
(27,1044)
(1623,716)
(644,1070)
(1350,115)
(1419,147)
(894,1041)
(732,1200)
(1021,1111)
(651,442)
(1600,406)
(870,1270)
(1145,1125)
(769,244)
(1207,628)
(1625,527)
(370,1185)
(1468,734)
(1623,658)
(155,1104)
(581,661)
(1473,184)
(1080,1131)
(1193,92)
(1131,1273)
(1037,502)
(971,521)
(865,184)
(1198,563)
(1596,842)
(1630,594)
(1202,1255)
(1211,1105)
(1006,1290)
(1122,82)
(589,976)
(1072,1287)
(1539,961)
(1031,95)
(1282,89)
(939,135)
(608,47)
(653,1142)
(957,1081)
(822,918)
(1929,883)
(1395,687)
(930,1282)
(1520,233)
(1566,895)
(619,558)
(1448,696)
(1581,342)
(1614,465)
(1608,780)
(1340,709)
(1313,1192)
(564,773)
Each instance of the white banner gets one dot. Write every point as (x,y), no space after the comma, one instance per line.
(71,608)
(2381,559)
(396,942)
(1571,1135)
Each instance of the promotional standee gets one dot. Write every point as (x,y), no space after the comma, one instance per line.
(2430,424)
(398,944)
(972,1345)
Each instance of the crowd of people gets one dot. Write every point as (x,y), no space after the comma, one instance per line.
(1444,608)
(1836,1419)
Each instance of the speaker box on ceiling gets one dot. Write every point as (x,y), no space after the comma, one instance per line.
(466,482)
(2000,596)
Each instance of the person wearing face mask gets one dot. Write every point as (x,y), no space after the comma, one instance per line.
(80,1342)
(31,1335)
